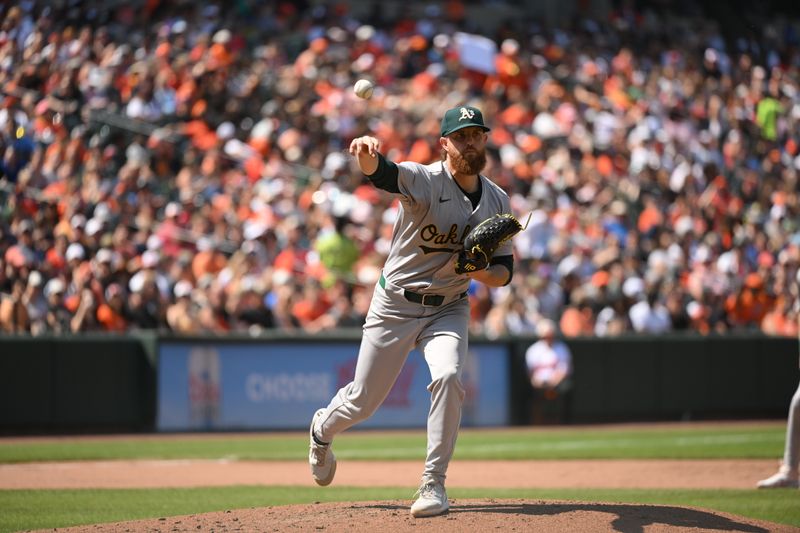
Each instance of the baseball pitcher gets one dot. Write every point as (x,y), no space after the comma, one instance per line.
(420,300)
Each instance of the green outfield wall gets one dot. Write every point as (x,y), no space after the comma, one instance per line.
(76,384)
(110,383)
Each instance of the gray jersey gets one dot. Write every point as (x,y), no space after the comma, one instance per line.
(434,218)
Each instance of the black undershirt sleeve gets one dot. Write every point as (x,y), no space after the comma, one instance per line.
(508,262)
(385,176)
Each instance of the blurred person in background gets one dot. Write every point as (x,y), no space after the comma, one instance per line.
(250,309)
(337,250)
(649,315)
(112,313)
(612,319)
(782,320)
(281,300)
(146,305)
(85,317)
(36,303)
(480,304)
(342,313)
(698,315)
(14,317)
(211,299)
(549,364)
(748,307)
(59,319)
(578,318)
(311,305)
(496,324)
(181,314)
(677,310)
(548,296)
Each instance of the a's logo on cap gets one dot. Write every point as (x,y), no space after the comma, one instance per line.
(466,114)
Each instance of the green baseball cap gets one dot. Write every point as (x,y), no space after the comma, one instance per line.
(462,117)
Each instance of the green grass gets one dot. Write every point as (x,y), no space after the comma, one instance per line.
(723,442)
(44,509)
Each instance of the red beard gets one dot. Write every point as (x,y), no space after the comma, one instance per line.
(470,163)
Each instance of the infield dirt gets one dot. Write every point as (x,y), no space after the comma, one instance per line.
(617,474)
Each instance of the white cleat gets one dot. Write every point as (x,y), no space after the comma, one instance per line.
(785,478)
(320,457)
(432,500)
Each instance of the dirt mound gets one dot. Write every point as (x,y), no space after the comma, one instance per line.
(464,515)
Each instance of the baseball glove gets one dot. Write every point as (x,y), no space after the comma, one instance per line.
(483,240)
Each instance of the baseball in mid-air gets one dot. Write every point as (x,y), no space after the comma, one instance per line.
(363,89)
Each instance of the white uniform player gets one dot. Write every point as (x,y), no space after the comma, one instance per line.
(420,299)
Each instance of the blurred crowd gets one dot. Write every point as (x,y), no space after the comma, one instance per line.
(182,166)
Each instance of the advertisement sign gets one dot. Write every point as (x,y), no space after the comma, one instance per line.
(233,386)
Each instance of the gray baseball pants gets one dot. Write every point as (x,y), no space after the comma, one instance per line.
(394,326)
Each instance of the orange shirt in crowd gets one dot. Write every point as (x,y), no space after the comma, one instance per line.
(576,322)
(748,307)
(291,260)
(110,319)
(779,324)
(306,311)
(207,262)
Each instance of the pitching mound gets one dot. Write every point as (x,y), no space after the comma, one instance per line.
(464,515)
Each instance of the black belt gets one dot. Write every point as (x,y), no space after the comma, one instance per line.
(428,300)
